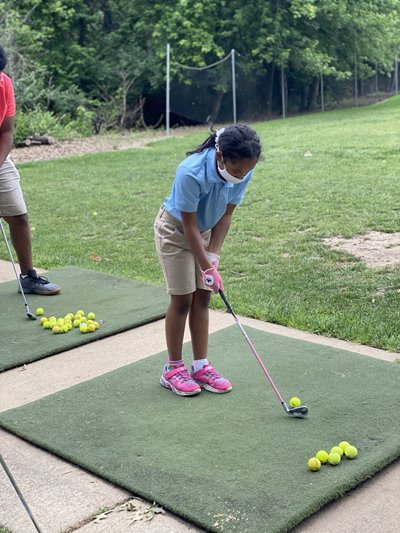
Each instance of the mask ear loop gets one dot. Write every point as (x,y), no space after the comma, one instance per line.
(217,136)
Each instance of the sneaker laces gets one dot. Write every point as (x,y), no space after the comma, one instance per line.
(212,373)
(183,375)
(41,280)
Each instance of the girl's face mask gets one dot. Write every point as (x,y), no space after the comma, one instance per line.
(228,177)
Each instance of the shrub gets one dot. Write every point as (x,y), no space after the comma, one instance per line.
(37,122)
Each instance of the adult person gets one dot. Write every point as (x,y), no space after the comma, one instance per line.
(12,205)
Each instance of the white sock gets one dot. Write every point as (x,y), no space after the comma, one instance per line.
(171,364)
(199,363)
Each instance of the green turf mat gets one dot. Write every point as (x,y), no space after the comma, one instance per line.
(234,462)
(119,303)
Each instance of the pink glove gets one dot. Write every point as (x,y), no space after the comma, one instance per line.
(212,278)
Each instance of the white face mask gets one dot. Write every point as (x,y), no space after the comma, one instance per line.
(228,177)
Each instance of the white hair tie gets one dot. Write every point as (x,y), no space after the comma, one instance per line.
(217,136)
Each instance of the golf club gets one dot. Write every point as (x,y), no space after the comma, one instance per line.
(14,484)
(27,310)
(295,412)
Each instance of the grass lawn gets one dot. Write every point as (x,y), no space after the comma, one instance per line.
(274,263)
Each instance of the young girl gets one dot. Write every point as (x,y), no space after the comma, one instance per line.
(190,229)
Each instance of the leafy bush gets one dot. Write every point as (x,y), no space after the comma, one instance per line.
(29,123)
(82,125)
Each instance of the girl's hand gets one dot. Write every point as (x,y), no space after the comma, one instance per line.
(212,278)
(213,258)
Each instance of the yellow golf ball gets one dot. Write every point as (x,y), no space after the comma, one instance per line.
(337,449)
(322,455)
(334,459)
(83,327)
(295,402)
(56,329)
(314,464)
(39,311)
(344,444)
(91,316)
(351,452)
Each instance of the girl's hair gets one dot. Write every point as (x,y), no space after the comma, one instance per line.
(235,142)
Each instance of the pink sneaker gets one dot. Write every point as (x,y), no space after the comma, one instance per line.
(211,380)
(179,381)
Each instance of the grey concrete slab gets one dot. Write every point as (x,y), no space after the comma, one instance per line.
(64,498)
(7,272)
(58,493)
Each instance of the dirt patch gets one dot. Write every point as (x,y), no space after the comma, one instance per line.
(376,249)
(96,143)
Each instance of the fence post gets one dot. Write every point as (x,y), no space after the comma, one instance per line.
(355,81)
(167,89)
(322,93)
(283,93)
(233,85)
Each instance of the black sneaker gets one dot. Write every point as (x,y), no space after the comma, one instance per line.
(34,284)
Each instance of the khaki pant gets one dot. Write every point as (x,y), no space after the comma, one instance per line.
(11,198)
(181,272)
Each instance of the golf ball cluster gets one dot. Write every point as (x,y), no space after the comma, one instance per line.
(333,457)
(85,323)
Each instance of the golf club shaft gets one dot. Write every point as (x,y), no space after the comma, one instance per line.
(252,348)
(15,270)
(16,488)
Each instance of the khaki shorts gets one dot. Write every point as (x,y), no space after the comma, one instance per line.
(181,272)
(11,198)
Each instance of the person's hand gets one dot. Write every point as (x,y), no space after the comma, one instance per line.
(213,258)
(212,278)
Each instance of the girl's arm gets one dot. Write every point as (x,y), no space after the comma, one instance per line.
(220,230)
(193,237)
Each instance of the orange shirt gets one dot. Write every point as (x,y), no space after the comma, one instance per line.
(7,100)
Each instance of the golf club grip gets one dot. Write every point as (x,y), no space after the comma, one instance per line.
(228,305)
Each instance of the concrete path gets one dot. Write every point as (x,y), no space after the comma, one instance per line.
(64,498)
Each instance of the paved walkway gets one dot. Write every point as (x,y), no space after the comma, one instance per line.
(64,498)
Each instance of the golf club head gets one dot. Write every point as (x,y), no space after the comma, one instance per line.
(29,314)
(296,412)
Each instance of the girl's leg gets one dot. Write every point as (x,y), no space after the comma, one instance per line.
(202,372)
(175,375)
(198,323)
(175,321)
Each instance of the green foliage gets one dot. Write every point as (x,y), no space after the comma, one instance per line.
(67,53)
(37,122)
(34,122)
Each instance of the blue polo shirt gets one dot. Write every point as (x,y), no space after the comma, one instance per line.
(198,188)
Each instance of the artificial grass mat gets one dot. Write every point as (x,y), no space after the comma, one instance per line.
(119,304)
(232,462)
